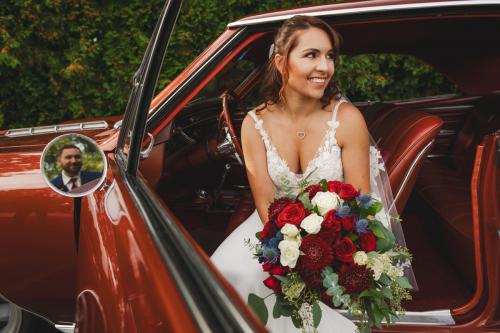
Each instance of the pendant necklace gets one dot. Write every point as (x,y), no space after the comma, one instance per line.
(301,135)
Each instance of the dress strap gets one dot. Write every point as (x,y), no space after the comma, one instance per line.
(335,109)
(260,128)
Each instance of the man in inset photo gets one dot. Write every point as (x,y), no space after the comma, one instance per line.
(72,178)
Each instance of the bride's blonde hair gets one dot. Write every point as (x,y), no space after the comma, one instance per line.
(285,41)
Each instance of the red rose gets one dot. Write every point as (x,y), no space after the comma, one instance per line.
(278,270)
(348,192)
(272,283)
(277,206)
(348,223)
(266,267)
(268,231)
(313,189)
(368,241)
(293,214)
(334,186)
(331,221)
(344,249)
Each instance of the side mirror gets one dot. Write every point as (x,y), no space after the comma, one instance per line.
(73,165)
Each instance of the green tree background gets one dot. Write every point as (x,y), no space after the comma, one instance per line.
(74,59)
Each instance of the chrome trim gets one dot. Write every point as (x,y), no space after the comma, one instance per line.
(92,125)
(118,124)
(411,168)
(447,132)
(67,328)
(335,12)
(434,317)
(145,153)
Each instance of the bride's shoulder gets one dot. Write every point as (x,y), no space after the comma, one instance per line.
(351,120)
(349,115)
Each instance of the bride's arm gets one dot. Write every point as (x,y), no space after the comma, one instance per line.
(256,166)
(352,136)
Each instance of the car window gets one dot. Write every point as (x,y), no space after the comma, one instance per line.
(389,77)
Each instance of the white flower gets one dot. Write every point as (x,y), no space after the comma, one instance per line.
(393,272)
(290,230)
(326,201)
(377,267)
(312,223)
(289,253)
(360,258)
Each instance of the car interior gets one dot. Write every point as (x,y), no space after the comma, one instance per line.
(428,143)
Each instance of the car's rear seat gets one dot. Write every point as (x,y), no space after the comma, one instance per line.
(445,186)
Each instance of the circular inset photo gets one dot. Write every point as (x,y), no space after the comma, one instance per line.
(73,165)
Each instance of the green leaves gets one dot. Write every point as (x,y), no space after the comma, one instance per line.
(304,198)
(316,310)
(259,307)
(386,239)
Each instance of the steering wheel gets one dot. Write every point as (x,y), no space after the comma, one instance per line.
(230,143)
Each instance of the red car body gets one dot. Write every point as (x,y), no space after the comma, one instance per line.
(138,264)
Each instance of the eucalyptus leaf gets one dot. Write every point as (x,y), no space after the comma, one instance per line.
(259,307)
(257,235)
(304,198)
(277,309)
(387,293)
(316,310)
(282,279)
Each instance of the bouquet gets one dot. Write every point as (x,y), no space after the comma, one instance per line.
(327,245)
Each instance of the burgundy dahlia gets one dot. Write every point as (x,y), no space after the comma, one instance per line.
(317,254)
(277,206)
(355,278)
(313,280)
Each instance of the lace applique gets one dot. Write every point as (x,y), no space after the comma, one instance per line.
(326,163)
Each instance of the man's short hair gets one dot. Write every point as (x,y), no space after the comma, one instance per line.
(66,146)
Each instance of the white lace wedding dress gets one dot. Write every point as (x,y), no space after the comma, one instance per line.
(235,260)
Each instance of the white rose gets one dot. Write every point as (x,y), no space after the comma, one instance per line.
(289,253)
(312,223)
(290,230)
(360,258)
(326,201)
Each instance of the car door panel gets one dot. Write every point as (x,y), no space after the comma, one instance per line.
(38,254)
(122,280)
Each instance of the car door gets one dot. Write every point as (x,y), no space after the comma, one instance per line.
(137,271)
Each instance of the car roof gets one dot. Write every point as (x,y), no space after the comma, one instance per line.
(354,7)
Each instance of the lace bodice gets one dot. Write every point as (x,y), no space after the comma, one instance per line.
(326,163)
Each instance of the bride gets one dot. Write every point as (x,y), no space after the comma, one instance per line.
(304,132)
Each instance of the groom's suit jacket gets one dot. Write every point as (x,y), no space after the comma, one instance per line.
(85,177)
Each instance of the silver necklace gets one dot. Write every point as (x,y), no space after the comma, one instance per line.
(301,135)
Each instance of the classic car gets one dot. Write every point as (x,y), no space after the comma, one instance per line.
(133,256)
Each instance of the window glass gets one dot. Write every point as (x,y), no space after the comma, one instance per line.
(387,77)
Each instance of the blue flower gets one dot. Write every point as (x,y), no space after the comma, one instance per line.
(362,226)
(270,251)
(365,200)
(343,211)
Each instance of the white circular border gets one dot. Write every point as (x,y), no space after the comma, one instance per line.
(67,194)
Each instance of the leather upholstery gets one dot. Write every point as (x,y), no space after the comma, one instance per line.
(445,186)
(404,138)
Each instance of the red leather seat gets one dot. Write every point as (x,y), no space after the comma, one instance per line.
(445,186)
(404,138)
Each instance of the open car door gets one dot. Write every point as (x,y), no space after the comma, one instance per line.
(137,272)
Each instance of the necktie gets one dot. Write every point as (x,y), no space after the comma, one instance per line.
(73,183)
